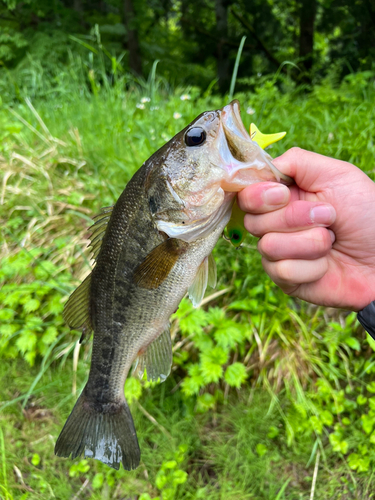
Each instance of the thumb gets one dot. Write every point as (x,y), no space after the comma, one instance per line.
(311,171)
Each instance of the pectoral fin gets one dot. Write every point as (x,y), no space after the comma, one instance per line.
(158,264)
(157,359)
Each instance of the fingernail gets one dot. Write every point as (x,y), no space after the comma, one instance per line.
(323,214)
(332,235)
(277,195)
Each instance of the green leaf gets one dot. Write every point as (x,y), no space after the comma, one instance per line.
(161,480)
(235,374)
(273,432)
(205,402)
(371,386)
(371,341)
(35,460)
(217,355)
(372,438)
(6,314)
(193,322)
(31,305)
(55,306)
(338,444)
(7,330)
(179,477)
(191,386)
(316,423)
(367,423)
(353,343)
(361,400)
(261,449)
(326,417)
(26,341)
(49,335)
(212,372)
(98,480)
(357,463)
(228,335)
(170,464)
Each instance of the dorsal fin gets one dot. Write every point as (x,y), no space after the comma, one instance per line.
(98,230)
(76,311)
(157,359)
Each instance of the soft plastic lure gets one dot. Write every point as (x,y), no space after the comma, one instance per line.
(235,230)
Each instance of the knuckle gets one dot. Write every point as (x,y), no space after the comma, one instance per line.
(320,240)
(284,271)
(250,223)
(250,199)
(297,214)
(266,246)
(295,150)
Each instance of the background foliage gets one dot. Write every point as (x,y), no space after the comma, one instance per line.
(192,40)
(269,397)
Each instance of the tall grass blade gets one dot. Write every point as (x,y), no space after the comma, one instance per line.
(152,79)
(283,488)
(4,486)
(84,44)
(235,69)
(38,117)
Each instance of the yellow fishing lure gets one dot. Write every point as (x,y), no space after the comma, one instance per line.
(235,230)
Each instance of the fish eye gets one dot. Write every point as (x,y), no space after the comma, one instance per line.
(195,136)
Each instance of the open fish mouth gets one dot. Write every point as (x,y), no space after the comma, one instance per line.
(243,160)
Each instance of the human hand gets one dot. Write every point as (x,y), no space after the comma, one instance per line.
(317,237)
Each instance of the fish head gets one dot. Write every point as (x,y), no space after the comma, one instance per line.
(199,171)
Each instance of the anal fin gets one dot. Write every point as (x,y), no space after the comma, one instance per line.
(157,359)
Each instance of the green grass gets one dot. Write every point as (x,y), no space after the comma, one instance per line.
(262,384)
(237,453)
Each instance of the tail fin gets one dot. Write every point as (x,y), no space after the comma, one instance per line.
(102,431)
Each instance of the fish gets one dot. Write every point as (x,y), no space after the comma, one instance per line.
(150,249)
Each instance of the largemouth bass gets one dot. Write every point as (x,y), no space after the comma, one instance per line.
(150,248)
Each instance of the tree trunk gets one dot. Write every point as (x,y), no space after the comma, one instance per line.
(77,6)
(135,62)
(306,38)
(223,64)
